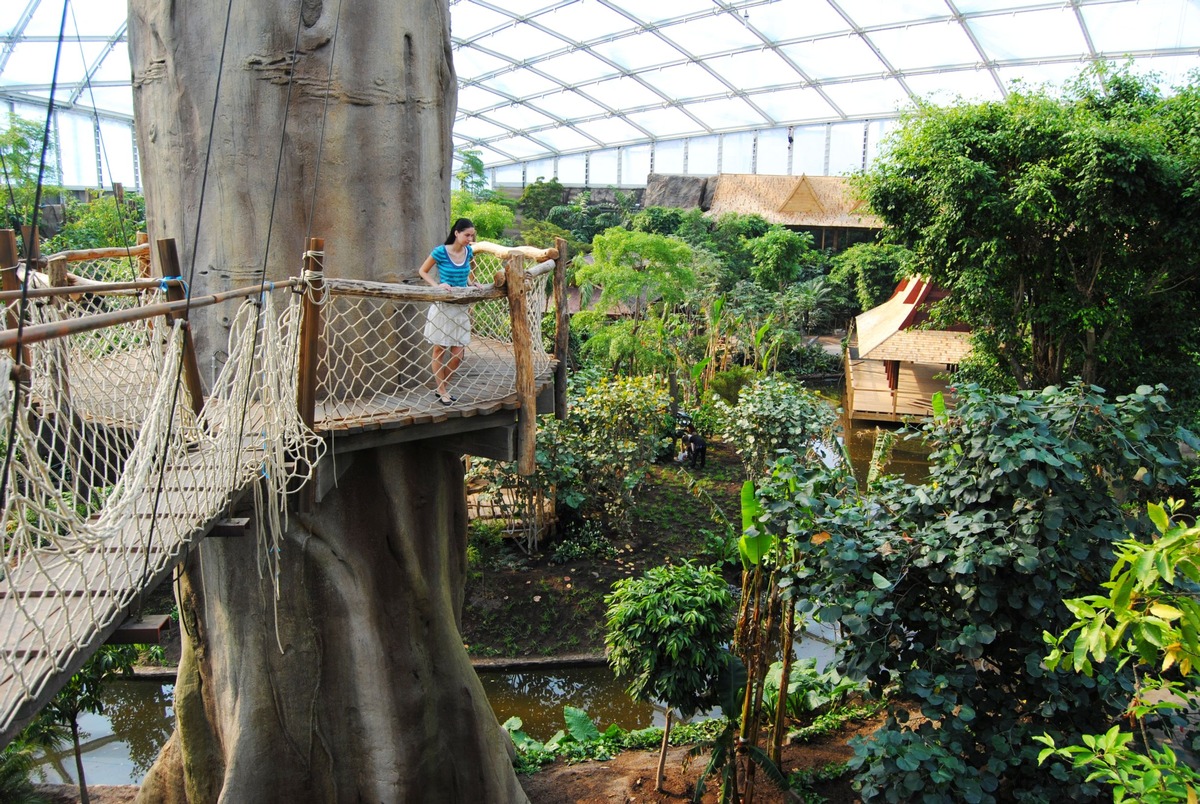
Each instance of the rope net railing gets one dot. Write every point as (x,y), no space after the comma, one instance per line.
(377,356)
(113,472)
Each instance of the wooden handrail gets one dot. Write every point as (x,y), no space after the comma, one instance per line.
(94,288)
(44,332)
(541,269)
(112,253)
(415,293)
(504,252)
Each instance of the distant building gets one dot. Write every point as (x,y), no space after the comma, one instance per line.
(891,365)
(824,206)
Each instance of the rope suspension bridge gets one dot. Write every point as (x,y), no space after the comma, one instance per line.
(119,461)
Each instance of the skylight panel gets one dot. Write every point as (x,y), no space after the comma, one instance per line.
(794,105)
(468,20)
(973,6)
(1172,71)
(477,128)
(117,100)
(490,156)
(868,98)
(709,35)
(96,17)
(1037,76)
(684,81)
(835,57)
(1151,24)
(33,63)
(568,104)
(576,67)
(658,12)
(1029,34)
(638,52)
(520,83)
(520,42)
(869,13)
(115,66)
(671,122)
(470,62)
(726,113)
(585,22)
(611,131)
(795,19)
(564,138)
(519,147)
(518,117)
(623,93)
(755,69)
(947,87)
(524,8)
(472,99)
(914,47)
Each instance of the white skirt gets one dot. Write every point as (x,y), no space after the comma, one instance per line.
(448,324)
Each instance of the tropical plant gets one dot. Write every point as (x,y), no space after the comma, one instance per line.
(21,143)
(470,174)
(944,588)
(780,255)
(101,222)
(665,637)
(540,197)
(82,693)
(491,218)
(871,270)
(1147,618)
(773,415)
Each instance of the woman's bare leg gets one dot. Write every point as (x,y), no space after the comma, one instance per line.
(441,371)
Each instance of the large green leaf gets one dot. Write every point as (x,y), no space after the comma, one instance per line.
(580,725)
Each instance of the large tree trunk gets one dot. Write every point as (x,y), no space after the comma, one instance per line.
(355,686)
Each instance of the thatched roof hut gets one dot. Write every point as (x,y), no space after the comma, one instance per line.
(803,201)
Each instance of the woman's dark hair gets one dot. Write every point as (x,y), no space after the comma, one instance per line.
(460,225)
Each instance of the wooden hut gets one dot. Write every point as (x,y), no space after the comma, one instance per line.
(892,367)
(823,205)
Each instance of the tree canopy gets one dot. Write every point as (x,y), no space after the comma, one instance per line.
(1066,228)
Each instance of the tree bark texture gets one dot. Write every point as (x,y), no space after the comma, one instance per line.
(354,685)
(372,697)
(382,193)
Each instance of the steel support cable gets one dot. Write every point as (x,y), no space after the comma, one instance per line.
(23,306)
(87,79)
(188,285)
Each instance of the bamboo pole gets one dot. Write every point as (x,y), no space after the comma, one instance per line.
(9,260)
(106,253)
(144,269)
(415,293)
(90,288)
(310,333)
(522,345)
(168,258)
(562,330)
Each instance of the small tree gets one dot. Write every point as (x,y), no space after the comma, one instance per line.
(780,255)
(82,694)
(666,634)
(541,197)
(773,415)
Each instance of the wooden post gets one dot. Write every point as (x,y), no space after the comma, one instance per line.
(562,330)
(144,271)
(10,258)
(57,271)
(522,346)
(310,336)
(168,260)
(32,250)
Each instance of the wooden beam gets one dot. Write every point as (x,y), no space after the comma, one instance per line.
(146,630)
(562,331)
(310,352)
(231,528)
(363,288)
(168,259)
(522,346)
(497,443)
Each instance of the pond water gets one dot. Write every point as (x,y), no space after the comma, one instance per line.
(120,747)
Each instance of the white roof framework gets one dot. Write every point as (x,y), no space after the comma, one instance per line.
(544,78)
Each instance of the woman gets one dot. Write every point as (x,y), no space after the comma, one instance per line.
(448,326)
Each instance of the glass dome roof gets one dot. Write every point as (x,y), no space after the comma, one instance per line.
(540,79)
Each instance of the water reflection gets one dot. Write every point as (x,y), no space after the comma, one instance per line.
(120,746)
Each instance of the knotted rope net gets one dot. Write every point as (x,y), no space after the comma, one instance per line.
(113,474)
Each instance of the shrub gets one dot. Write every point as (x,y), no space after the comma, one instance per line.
(773,415)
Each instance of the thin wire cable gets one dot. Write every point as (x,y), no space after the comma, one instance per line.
(12,197)
(212,123)
(23,306)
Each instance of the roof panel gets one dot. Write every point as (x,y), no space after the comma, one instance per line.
(835,56)
(518,117)
(576,67)
(611,131)
(914,47)
(477,128)
(109,99)
(622,93)
(1030,34)
(568,104)
(520,42)
(658,12)
(33,63)
(586,21)
(472,99)
(1121,28)
(684,81)
(470,61)
(781,22)
(670,122)
(726,113)
(563,138)
(795,105)
(519,147)
(755,69)
(708,35)
(868,98)
(947,87)
(520,83)
(639,51)
(469,20)
(869,13)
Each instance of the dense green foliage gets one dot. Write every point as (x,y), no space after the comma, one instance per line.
(1148,617)
(540,197)
(773,415)
(780,256)
(20,153)
(101,222)
(944,589)
(490,217)
(872,270)
(1067,229)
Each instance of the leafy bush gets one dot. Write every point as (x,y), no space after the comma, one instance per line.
(99,223)
(808,360)
(945,588)
(586,542)
(773,415)
(872,271)
(491,218)
(809,691)
(540,197)
(727,385)
(657,220)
